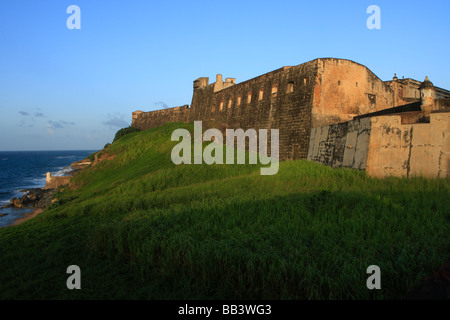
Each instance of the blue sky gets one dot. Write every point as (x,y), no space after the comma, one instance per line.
(64,89)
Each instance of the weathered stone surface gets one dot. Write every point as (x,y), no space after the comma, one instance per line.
(345,89)
(341,145)
(443,104)
(386,145)
(147,120)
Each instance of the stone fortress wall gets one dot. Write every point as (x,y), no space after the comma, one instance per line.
(302,101)
(390,145)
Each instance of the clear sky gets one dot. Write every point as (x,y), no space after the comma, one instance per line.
(64,89)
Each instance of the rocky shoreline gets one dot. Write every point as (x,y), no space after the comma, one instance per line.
(33,198)
(41,198)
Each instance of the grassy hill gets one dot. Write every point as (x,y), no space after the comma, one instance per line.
(140,227)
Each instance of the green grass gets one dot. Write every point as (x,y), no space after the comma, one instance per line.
(140,227)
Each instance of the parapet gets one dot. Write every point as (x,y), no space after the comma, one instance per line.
(136,113)
(152,119)
(220,85)
(442,104)
(201,83)
(134,117)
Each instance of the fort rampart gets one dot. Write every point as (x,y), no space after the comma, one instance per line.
(296,100)
(291,99)
(390,145)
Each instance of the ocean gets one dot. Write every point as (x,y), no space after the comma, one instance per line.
(27,169)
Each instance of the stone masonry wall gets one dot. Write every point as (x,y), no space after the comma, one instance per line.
(443,104)
(146,120)
(56,182)
(386,145)
(291,99)
(407,150)
(341,145)
(281,99)
(345,89)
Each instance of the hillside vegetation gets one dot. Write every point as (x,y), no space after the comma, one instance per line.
(140,227)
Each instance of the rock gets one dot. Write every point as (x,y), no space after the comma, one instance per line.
(3,214)
(35,197)
(25,199)
(18,203)
(80,164)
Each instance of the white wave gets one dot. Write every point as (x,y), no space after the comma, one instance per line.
(34,183)
(17,194)
(37,179)
(14,194)
(62,171)
(4,159)
(65,157)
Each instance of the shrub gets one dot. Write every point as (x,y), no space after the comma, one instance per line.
(123,132)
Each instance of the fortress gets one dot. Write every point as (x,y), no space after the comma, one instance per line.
(333,111)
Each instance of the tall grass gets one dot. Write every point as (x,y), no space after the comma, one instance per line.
(140,227)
